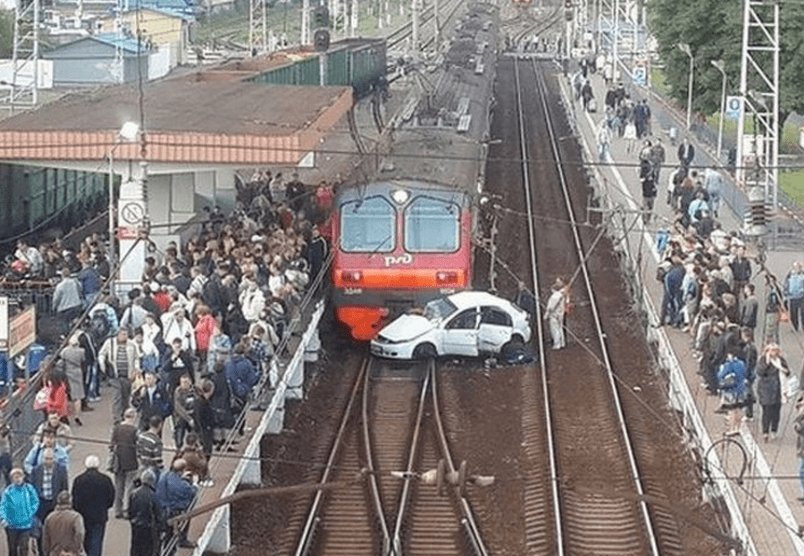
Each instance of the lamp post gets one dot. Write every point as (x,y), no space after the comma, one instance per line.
(685,48)
(720,65)
(128,133)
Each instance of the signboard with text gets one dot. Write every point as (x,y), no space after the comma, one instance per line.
(21,332)
(734,107)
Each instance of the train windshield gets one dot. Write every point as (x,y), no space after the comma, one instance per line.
(439,309)
(368,225)
(432,226)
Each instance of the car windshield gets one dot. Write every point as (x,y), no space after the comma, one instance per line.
(439,309)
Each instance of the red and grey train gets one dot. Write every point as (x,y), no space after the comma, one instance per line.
(406,236)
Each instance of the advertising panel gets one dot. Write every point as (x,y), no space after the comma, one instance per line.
(21,331)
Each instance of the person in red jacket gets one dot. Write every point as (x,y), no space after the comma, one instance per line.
(204,330)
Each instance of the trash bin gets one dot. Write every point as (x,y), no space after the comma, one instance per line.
(5,379)
(36,354)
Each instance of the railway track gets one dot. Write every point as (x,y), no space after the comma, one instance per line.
(390,437)
(594,491)
(400,35)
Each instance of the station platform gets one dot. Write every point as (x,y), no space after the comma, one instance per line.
(762,497)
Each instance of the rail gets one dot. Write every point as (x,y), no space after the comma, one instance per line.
(313,518)
(468,519)
(551,443)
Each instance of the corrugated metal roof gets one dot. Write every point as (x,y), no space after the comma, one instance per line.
(185,121)
(116,40)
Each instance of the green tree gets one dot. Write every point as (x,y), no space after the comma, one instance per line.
(6,33)
(713,29)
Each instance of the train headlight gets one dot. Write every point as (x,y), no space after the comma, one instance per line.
(400,196)
(446,277)
(352,276)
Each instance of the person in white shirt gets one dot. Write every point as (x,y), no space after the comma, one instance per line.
(252,301)
(176,325)
(554,313)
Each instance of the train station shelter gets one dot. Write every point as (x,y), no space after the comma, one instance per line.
(193,133)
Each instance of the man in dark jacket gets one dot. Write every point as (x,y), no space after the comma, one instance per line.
(146,517)
(151,399)
(124,459)
(49,478)
(241,375)
(93,495)
(671,302)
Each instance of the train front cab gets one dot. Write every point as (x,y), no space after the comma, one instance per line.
(395,249)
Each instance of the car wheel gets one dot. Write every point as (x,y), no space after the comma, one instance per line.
(425,351)
(513,345)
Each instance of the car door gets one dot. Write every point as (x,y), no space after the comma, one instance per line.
(495,329)
(459,335)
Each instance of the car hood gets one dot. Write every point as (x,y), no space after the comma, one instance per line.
(407,327)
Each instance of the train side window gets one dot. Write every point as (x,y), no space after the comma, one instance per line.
(368,225)
(432,225)
(492,315)
(465,320)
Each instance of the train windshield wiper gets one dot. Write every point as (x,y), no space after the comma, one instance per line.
(380,245)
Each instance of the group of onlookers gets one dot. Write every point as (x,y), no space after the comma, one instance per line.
(187,347)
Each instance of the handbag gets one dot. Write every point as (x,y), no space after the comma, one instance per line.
(41,398)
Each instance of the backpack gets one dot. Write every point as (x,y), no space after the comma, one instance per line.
(99,326)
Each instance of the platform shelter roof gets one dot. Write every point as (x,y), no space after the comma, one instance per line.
(195,119)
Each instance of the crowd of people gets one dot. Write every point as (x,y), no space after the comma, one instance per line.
(706,274)
(188,347)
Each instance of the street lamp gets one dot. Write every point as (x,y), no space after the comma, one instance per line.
(128,133)
(685,48)
(720,65)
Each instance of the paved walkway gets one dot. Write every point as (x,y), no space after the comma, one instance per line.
(769,491)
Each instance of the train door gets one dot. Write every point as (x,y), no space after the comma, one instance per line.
(495,329)
(460,334)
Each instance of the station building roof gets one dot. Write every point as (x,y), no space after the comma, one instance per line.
(203,118)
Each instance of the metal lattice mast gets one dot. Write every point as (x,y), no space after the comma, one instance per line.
(24,91)
(354,18)
(758,150)
(257,35)
(305,22)
(118,73)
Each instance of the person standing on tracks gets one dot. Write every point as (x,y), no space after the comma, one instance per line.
(554,313)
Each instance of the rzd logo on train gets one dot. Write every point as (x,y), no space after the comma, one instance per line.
(407,258)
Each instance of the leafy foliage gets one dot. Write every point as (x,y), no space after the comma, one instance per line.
(713,29)
(6,33)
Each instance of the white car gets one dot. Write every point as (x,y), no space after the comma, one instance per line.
(467,323)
